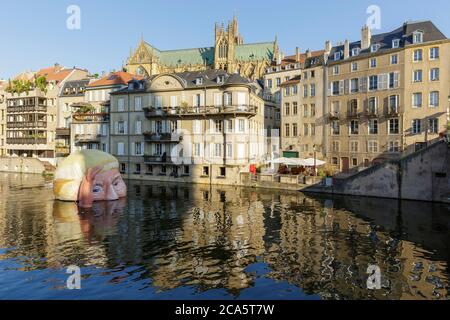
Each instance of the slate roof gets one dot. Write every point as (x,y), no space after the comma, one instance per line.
(244,52)
(404,34)
(74,88)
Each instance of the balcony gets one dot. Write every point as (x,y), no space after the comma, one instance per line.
(392,112)
(162,137)
(157,159)
(27,109)
(62,132)
(152,112)
(90,117)
(334,115)
(372,113)
(26,124)
(62,150)
(87,138)
(353,114)
(26,140)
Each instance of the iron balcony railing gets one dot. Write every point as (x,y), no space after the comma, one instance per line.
(200,111)
(162,136)
(26,140)
(157,159)
(90,137)
(90,117)
(26,124)
(27,109)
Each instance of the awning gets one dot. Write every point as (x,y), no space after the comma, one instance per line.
(310,162)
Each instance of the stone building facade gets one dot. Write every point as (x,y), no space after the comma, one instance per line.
(203,127)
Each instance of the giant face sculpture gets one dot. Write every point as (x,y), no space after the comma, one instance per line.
(87,176)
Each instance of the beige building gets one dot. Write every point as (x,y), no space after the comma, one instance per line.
(90,119)
(387,94)
(302,109)
(229,53)
(203,127)
(31,112)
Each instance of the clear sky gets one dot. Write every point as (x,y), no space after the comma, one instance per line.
(34,33)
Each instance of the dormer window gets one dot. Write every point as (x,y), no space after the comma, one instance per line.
(220,79)
(396,43)
(374,48)
(337,56)
(417,37)
(199,81)
(355,51)
(130,86)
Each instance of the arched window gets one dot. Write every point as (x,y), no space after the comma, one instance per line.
(223,50)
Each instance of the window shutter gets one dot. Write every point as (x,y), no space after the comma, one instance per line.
(346,86)
(133,148)
(138,127)
(396,79)
(125,127)
(116,127)
(329,89)
(341,87)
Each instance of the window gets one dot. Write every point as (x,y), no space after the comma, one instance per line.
(417,37)
(305,90)
(373,62)
(120,149)
(355,51)
(305,111)
(335,88)
(372,104)
(393,126)
(355,162)
(229,125)
(335,108)
(313,90)
(336,70)
(335,161)
(434,53)
(138,127)
(393,104)
(396,43)
(417,76)
(353,107)
(354,127)
(121,127)
(295,108)
(269,83)
(158,149)
(286,109)
(286,91)
(372,146)
(313,110)
(222,172)
(312,129)
(373,126)
(354,146)
(199,81)
(278,82)
(197,149)
(241,125)
(417,100)
(220,79)
(217,150)
(287,130)
(294,89)
(374,48)
(138,148)
(121,104)
(394,59)
(313,74)
(335,127)
(418,55)
(123,168)
(294,130)
(434,74)
(137,168)
(337,56)
(416,126)
(218,126)
(206,171)
(394,146)
(433,125)
(434,99)
(138,103)
(354,85)
(149,169)
(335,146)
(355,66)
(373,83)
(305,130)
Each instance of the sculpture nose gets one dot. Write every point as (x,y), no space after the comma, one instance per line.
(111,194)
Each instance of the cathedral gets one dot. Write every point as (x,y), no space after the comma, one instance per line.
(229,53)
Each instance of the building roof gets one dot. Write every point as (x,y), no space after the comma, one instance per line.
(254,51)
(404,34)
(113,79)
(74,87)
(303,56)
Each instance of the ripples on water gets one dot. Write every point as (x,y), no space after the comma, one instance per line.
(196,242)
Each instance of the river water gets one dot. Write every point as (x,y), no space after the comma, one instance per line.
(169,241)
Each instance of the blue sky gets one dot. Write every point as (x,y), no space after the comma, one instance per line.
(34,33)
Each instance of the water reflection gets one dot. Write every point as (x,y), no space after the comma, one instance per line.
(180,241)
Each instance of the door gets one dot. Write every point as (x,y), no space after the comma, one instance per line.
(345,164)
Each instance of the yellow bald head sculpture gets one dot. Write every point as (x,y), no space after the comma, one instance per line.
(87,176)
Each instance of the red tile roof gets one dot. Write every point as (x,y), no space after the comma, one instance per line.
(291,59)
(115,78)
(55,73)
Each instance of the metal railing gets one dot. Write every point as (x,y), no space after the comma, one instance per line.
(162,136)
(200,110)
(26,140)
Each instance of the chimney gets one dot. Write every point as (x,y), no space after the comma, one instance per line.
(346,49)
(328,46)
(297,54)
(366,37)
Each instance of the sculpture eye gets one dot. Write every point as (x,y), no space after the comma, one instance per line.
(97,189)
